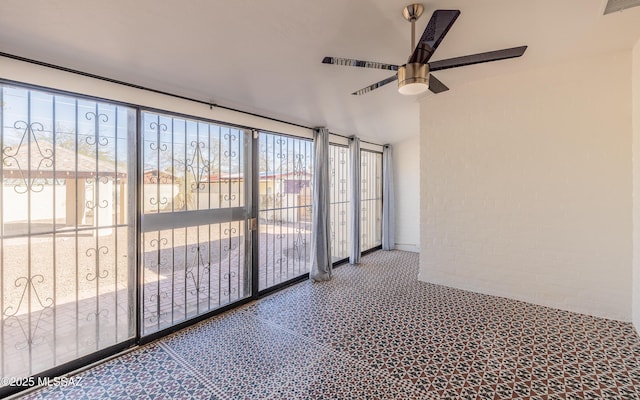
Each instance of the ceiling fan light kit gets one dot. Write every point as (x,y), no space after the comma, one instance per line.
(415,76)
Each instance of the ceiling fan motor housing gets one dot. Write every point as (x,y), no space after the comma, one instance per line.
(413,78)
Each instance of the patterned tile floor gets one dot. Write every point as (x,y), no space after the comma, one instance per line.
(375,332)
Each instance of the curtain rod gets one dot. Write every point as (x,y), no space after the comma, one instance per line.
(134,86)
(351,138)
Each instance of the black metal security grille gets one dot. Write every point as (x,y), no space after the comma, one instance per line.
(194,219)
(370,199)
(340,201)
(285,194)
(67,244)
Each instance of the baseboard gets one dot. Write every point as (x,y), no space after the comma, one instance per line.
(408,247)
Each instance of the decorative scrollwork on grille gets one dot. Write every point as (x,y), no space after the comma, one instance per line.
(332,169)
(100,116)
(96,139)
(161,295)
(154,179)
(100,141)
(90,205)
(28,283)
(229,289)
(160,260)
(158,127)
(155,202)
(198,165)
(231,137)
(343,156)
(200,266)
(96,252)
(299,245)
(153,311)
(279,224)
(230,153)
(280,155)
(28,328)
(343,217)
(230,245)
(24,162)
(158,242)
(300,166)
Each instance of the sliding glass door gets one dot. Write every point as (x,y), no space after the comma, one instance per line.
(285,193)
(370,199)
(196,197)
(67,239)
(340,201)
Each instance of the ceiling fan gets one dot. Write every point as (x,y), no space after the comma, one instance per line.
(415,77)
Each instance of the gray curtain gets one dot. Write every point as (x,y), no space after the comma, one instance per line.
(321,230)
(354,156)
(388,201)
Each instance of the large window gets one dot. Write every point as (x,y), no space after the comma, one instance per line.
(194,219)
(340,212)
(67,247)
(285,193)
(370,199)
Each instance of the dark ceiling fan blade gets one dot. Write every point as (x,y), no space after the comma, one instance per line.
(436,86)
(438,26)
(375,85)
(477,58)
(358,63)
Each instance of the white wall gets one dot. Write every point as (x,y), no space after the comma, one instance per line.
(635,103)
(526,186)
(406,177)
(24,72)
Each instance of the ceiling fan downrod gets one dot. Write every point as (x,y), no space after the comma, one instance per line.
(411,13)
(413,78)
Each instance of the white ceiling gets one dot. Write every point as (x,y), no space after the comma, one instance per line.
(265,56)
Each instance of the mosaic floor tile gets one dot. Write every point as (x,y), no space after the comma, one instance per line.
(375,332)
(149,373)
(247,358)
